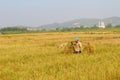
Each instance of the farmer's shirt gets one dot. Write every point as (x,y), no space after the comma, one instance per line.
(77,46)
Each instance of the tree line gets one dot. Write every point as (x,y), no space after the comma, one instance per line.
(82,27)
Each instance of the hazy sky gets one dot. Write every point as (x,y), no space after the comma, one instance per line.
(39,12)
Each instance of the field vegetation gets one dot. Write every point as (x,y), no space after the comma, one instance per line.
(36,56)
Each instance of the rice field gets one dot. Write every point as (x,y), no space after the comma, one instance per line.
(36,56)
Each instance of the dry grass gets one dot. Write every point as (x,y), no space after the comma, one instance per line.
(89,48)
(36,57)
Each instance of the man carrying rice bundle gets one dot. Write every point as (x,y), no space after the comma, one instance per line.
(77,45)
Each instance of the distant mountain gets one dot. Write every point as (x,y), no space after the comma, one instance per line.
(78,22)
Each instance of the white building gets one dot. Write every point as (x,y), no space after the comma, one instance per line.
(76,24)
(101,24)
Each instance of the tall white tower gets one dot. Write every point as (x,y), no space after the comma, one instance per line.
(101,24)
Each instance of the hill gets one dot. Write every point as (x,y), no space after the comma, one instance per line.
(87,22)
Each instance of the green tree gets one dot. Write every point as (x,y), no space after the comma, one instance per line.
(94,27)
(57,29)
(82,27)
(117,26)
(109,26)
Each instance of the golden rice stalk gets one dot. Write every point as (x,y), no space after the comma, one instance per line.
(68,49)
(89,48)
